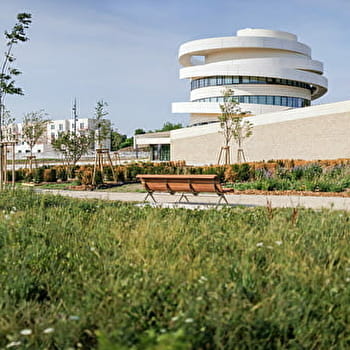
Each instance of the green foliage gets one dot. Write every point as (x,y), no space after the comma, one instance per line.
(38,175)
(310,177)
(8,73)
(128,142)
(98,177)
(106,275)
(72,146)
(139,132)
(168,126)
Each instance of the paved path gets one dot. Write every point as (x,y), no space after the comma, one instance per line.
(205,200)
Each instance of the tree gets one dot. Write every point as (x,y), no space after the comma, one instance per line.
(139,131)
(233,126)
(33,128)
(8,73)
(8,126)
(102,125)
(72,146)
(128,142)
(116,140)
(167,126)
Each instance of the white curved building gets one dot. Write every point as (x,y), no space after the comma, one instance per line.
(272,75)
(268,71)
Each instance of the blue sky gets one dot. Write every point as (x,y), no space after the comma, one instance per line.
(125,52)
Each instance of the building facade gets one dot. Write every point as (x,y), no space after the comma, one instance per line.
(44,147)
(274,77)
(267,70)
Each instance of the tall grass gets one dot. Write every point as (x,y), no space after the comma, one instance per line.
(90,274)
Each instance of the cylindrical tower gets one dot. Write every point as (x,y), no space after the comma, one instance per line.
(268,71)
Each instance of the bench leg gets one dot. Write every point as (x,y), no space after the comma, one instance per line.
(183,196)
(151,195)
(222,197)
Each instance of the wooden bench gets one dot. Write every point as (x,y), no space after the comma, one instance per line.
(183,184)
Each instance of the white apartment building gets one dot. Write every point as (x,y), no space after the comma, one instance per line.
(44,148)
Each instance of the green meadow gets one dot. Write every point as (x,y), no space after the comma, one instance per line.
(106,275)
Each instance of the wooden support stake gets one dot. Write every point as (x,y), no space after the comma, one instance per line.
(102,159)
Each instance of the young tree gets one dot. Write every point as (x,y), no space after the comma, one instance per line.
(72,147)
(33,128)
(8,74)
(102,125)
(9,126)
(233,126)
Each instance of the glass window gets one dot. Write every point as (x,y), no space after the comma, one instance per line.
(262,100)
(245,80)
(60,127)
(253,99)
(52,126)
(269,100)
(218,80)
(294,102)
(235,80)
(227,80)
(245,99)
(212,81)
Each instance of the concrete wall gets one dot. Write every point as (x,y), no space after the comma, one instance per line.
(317,132)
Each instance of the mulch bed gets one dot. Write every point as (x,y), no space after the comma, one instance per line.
(293,193)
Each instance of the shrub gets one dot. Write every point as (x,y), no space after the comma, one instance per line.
(98,177)
(38,175)
(85,176)
(61,173)
(50,175)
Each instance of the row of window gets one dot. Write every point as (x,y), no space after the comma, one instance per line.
(295,102)
(28,151)
(60,126)
(230,80)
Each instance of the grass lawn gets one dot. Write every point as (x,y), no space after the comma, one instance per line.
(78,274)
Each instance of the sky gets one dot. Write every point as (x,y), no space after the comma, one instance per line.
(125,51)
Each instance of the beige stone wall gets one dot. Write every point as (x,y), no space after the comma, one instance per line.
(323,137)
